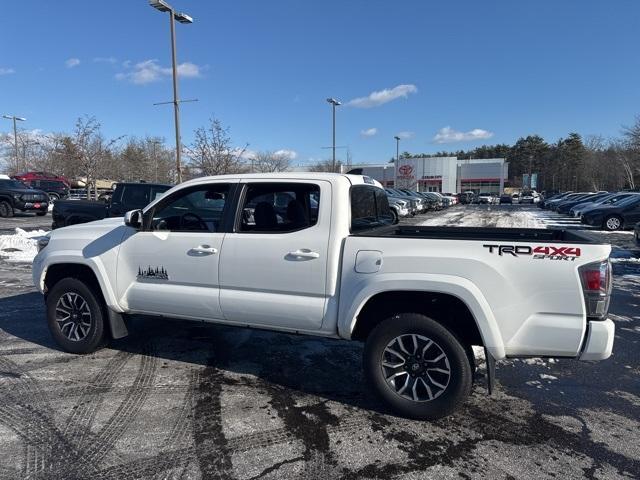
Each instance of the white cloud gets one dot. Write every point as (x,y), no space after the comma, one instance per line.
(405,135)
(7,71)
(249,154)
(244,153)
(375,99)
(369,132)
(111,60)
(149,71)
(449,135)
(187,70)
(72,62)
(290,154)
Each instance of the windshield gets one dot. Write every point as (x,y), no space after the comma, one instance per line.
(633,198)
(12,184)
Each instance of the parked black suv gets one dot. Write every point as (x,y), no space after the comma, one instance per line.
(15,195)
(56,189)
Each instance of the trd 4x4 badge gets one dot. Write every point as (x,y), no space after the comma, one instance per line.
(550,252)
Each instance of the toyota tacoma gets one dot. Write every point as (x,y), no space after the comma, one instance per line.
(318,254)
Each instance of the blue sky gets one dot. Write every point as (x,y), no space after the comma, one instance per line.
(461,72)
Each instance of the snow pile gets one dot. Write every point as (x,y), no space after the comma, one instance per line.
(22,246)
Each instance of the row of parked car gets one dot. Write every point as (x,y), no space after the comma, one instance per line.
(408,203)
(605,210)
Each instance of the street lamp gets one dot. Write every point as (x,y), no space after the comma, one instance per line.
(163,6)
(334,103)
(15,135)
(397,149)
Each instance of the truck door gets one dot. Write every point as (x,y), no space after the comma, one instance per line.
(170,267)
(273,268)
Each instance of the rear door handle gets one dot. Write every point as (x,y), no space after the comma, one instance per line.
(304,253)
(203,250)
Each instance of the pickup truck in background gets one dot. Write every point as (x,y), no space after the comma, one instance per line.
(126,196)
(329,262)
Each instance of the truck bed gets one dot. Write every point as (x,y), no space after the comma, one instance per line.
(482,233)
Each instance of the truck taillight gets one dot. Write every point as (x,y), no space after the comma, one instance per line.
(596,286)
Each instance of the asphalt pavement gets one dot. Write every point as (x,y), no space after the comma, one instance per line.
(182,399)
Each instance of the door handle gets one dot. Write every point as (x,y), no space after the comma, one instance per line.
(304,253)
(203,250)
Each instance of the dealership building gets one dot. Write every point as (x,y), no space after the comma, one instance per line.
(441,174)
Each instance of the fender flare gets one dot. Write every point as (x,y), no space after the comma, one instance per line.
(71,257)
(461,288)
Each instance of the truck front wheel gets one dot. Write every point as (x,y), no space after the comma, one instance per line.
(6,210)
(417,366)
(75,316)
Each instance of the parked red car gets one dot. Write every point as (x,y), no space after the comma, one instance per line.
(30,176)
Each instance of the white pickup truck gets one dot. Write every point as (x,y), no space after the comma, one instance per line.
(318,254)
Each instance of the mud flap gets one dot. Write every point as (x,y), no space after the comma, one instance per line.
(491,371)
(117,325)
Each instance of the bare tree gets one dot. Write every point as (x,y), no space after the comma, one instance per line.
(211,152)
(325,166)
(92,151)
(267,161)
(629,154)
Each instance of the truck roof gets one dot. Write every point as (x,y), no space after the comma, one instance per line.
(354,179)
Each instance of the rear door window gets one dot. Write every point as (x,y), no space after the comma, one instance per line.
(135,196)
(279,207)
(369,208)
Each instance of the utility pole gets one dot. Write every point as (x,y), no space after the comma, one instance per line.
(163,6)
(334,103)
(15,138)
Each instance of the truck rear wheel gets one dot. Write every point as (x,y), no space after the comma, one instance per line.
(75,316)
(417,366)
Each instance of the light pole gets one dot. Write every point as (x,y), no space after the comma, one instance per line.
(163,6)
(334,103)
(397,149)
(15,136)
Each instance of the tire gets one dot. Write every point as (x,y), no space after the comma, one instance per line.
(41,214)
(432,340)
(6,210)
(53,197)
(85,314)
(612,223)
(394,216)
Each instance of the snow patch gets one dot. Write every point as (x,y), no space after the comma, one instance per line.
(22,246)
(544,376)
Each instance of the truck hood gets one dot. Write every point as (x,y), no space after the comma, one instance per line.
(77,237)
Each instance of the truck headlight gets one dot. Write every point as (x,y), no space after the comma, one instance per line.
(43,242)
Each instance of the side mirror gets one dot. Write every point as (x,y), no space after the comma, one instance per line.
(133,219)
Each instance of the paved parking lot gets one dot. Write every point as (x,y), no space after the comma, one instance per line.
(190,400)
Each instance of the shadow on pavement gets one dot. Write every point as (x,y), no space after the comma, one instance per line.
(324,367)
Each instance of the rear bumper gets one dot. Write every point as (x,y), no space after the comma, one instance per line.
(599,343)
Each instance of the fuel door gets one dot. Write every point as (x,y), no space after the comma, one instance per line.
(368,261)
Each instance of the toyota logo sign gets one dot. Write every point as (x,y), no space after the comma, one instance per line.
(405,170)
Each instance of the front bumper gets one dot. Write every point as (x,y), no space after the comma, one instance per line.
(599,342)
(30,206)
